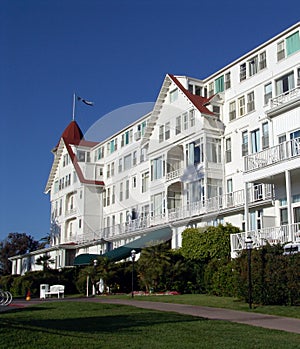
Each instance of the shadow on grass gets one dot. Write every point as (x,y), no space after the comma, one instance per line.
(92,324)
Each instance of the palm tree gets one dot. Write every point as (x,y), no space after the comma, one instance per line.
(153,265)
(45,261)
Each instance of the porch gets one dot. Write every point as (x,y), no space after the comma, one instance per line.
(272,235)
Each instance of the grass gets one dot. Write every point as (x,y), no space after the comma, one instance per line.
(95,325)
(223,302)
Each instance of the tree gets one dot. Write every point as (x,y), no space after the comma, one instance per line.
(15,244)
(45,261)
(205,244)
(153,266)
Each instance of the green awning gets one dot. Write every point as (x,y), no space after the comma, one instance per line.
(151,239)
(85,258)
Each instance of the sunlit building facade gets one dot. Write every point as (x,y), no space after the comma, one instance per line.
(222,149)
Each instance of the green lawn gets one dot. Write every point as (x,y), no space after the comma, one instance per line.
(223,302)
(95,325)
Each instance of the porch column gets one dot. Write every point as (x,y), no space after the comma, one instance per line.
(289,202)
(246,207)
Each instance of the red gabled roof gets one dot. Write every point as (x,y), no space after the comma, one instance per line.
(73,135)
(198,101)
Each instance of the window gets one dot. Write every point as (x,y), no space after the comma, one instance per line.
(185,121)
(198,90)
(143,156)
(242,108)
(262,60)
(194,152)
(282,139)
(232,111)
(265,135)
(268,92)
(158,204)
(113,145)
(192,114)
(108,197)
(113,196)
(100,153)
(214,187)
(127,162)
(285,84)
(134,158)
(280,51)
(161,133)
(253,65)
(167,131)
(228,149)
(108,171)
(242,71)
(145,182)
(120,168)
(284,216)
(213,150)
(144,124)
(66,159)
(295,142)
(127,189)
(292,43)
(250,102)
(121,191)
(255,141)
(112,169)
(178,125)
(81,155)
(134,182)
(216,110)
(104,198)
(227,81)
(219,84)
(245,143)
(210,89)
(173,95)
(157,168)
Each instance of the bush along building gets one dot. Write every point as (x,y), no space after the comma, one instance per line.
(222,149)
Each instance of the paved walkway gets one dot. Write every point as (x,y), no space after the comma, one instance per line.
(249,318)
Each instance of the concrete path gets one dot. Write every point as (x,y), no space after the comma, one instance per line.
(249,318)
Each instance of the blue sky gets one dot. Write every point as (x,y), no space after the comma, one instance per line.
(115,53)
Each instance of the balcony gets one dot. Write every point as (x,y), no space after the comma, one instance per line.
(271,235)
(277,154)
(227,202)
(284,100)
(70,212)
(174,174)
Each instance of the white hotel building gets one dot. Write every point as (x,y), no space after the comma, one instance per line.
(222,149)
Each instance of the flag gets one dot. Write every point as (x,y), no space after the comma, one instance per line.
(85,101)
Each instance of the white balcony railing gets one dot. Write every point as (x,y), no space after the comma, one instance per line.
(259,192)
(260,237)
(174,174)
(284,98)
(281,152)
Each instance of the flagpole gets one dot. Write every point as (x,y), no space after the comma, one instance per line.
(73,114)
